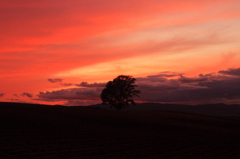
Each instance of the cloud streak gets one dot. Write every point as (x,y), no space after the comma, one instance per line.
(71,94)
(86,84)
(29,95)
(2,94)
(57,80)
(231,71)
(201,78)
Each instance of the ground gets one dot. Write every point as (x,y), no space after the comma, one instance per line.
(38,131)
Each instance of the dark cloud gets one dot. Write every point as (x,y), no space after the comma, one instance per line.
(150,79)
(208,87)
(72,94)
(184,79)
(154,88)
(164,74)
(158,77)
(86,84)
(162,87)
(211,87)
(26,95)
(81,102)
(167,86)
(167,91)
(56,80)
(66,84)
(82,84)
(16,95)
(231,71)
(227,88)
(2,94)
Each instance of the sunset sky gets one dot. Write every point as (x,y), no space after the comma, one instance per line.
(63,52)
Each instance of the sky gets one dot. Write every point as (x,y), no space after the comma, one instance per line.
(64,52)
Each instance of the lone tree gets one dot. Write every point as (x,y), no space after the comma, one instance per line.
(119,92)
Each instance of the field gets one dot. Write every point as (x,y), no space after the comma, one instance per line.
(38,131)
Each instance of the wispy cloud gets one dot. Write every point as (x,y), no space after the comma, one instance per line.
(72,94)
(2,94)
(95,84)
(26,95)
(55,80)
(201,78)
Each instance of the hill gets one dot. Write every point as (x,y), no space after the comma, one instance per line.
(40,131)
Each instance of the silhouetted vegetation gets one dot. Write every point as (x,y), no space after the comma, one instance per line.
(119,92)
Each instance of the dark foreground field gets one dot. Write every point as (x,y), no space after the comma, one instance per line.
(35,131)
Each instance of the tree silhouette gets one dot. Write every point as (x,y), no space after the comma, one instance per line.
(119,92)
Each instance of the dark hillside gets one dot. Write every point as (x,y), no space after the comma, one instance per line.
(39,131)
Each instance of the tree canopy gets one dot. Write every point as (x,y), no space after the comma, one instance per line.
(120,92)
